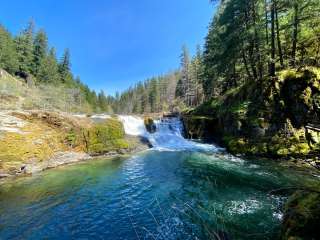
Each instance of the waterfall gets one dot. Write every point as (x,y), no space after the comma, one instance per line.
(133,125)
(168,134)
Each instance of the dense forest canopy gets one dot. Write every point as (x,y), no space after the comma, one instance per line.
(248,41)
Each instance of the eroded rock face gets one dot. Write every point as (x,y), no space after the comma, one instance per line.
(201,127)
(150,126)
(9,123)
(267,118)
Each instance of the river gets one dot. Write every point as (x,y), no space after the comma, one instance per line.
(179,189)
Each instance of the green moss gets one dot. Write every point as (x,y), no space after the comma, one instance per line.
(105,137)
(266,117)
(288,74)
(300,148)
(306,96)
(38,142)
(236,145)
(71,138)
(302,216)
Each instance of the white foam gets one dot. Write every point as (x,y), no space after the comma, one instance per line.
(133,125)
(244,207)
(101,116)
(167,137)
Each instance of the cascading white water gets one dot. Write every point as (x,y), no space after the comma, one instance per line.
(168,134)
(133,125)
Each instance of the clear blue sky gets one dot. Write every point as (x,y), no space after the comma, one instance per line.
(115,43)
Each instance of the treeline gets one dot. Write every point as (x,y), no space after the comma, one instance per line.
(249,40)
(29,56)
(171,92)
(153,95)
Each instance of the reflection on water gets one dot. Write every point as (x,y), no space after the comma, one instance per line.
(153,195)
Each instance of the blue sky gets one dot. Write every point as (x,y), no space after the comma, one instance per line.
(115,43)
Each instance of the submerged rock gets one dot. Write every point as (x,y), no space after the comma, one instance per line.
(302,216)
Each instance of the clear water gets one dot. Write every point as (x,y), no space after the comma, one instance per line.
(186,193)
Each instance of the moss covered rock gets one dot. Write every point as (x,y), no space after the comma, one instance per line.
(302,217)
(105,137)
(149,124)
(266,118)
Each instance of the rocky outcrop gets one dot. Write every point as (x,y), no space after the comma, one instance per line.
(32,141)
(268,118)
(202,127)
(149,124)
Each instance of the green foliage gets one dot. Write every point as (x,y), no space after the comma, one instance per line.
(154,95)
(28,56)
(47,71)
(40,52)
(24,48)
(105,137)
(246,38)
(8,54)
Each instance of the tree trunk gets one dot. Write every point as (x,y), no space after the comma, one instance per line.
(295,34)
(278,36)
(245,62)
(251,46)
(272,71)
(257,41)
(266,21)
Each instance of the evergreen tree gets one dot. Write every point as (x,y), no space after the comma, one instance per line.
(196,77)
(182,90)
(24,45)
(40,51)
(65,67)
(103,101)
(48,71)
(8,55)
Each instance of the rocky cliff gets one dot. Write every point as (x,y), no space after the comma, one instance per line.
(277,117)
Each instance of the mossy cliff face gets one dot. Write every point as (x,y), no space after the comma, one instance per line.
(266,118)
(202,127)
(35,137)
(104,137)
(302,216)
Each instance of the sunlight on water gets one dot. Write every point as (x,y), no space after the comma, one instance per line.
(191,191)
(168,135)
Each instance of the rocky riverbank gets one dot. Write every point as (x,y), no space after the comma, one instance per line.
(32,141)
(275,118)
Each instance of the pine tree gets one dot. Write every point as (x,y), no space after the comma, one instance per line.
(40,51)
(102,101)
(65,67)
(24,45)
(8,55)
(196,77)
(48,71)
(182,90)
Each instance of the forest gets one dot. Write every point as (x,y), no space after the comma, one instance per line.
(224,146)
(29,57)
(247,41)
